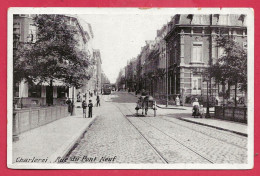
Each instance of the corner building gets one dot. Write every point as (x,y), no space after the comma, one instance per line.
(191,47)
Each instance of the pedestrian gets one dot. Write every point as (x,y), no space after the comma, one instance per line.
(90,106)
(98,101)
(195,107)
(68,102)
(84,106)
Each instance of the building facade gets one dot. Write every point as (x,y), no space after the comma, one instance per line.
(191,48)
(98,63)
(174,64)
(32,94)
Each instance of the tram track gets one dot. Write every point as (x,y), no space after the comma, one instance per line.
(159,154)
(193,149)
(218,131)
(150,143)
(207,134)
(176,140)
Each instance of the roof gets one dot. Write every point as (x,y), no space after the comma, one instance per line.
(213,19)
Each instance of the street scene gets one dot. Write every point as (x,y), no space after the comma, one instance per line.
(129,89)
(118,132)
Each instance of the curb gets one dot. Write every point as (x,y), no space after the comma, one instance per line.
(219,128)
(65,150)
(170,108)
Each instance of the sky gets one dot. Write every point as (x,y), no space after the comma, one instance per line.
(120,37)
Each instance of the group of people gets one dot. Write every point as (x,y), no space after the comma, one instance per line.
(90,106)
(84,106)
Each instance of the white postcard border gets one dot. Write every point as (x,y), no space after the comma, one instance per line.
(142,11)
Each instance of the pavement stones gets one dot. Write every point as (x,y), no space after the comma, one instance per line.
(173,140)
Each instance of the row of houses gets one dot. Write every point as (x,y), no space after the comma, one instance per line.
(32,94)
(174,63)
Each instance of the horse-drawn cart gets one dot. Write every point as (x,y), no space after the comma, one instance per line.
(145,103)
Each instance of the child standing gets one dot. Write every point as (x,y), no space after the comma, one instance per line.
(90,106)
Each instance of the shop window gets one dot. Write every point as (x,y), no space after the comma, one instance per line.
(197,52)
(34,91)
(61,92)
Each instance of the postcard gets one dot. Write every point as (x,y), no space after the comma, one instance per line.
(130,88)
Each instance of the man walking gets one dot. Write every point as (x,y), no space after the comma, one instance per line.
(90,106)
(98,101)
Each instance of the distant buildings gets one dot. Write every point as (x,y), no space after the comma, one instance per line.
(98,63)
(26,94)
(181,51)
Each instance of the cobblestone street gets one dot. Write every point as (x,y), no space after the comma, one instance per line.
(118,136)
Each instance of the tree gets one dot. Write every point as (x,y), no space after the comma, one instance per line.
(231,67)
(56,54)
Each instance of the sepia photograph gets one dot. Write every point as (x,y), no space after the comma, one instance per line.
(130,88)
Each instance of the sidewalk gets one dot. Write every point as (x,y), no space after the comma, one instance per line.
(233,127)
(52,140)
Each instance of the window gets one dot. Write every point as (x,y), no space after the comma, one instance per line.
(197,52)
(221,52)
(223,20)
(61,92)
(34,91)
(32,33)
(16,31)
(245,45)
(196,84)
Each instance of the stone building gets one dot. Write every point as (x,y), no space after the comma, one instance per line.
(181,52)
(32,94)
(131,74)
(191,47)
(98,63)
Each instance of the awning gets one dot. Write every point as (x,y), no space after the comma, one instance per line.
(54,83)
